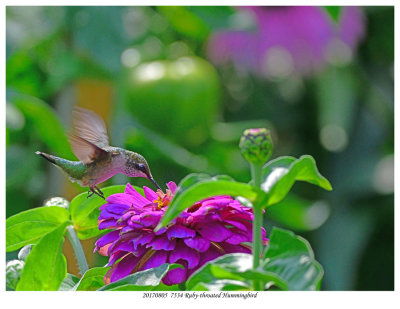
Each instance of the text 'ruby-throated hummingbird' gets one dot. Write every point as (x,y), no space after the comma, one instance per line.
(98,161)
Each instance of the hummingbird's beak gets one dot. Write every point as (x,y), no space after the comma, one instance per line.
(153,181)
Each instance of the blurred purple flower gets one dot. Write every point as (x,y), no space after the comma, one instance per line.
(208,229)
(288,39)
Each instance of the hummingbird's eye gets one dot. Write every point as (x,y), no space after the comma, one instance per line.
(142,168)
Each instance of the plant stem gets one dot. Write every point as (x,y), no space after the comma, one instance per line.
(256,174)
(76,245)
(258,216)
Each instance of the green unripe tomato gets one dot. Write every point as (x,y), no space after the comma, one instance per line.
(178,99)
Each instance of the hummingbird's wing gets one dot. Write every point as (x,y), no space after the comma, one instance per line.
(84,150)
(90,127)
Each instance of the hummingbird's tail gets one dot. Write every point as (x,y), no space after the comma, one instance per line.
(47,157)
(74,169)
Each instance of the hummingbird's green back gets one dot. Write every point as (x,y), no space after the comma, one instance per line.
(74,169)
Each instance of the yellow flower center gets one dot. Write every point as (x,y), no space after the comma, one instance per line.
(159,202)
(163,199)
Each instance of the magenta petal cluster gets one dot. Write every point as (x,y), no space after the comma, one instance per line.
(289,39)
(208,229)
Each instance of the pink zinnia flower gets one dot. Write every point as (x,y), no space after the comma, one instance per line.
(288,39)
(205,231)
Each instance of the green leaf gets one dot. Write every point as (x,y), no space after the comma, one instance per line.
(231,272)
(196,187)
(92,279)
(299,214)
(45,267)
(198,21)
(47,124)
(28,227)
(69,283)
(85,211)
(288,264)
(223,273)
(334,12)
(145,280)
(292,259)
(280,174)
(185,21)
(221,285)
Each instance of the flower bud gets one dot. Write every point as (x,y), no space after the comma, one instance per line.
(13,272)
(24,252)
(256,145)
(57,201)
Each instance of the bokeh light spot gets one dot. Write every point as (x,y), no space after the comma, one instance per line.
(177,49)
(136,22)
(333,137)
(292,89)
(277,63)
(14,118)
(383,179)
(130,57)
(151,71)
(184,66)
(152,47)
(317,214)
(338,52)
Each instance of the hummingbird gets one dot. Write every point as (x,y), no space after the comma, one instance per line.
(98,161)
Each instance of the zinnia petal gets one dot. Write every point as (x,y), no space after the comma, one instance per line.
(107,238)
(140,200)
(128,199)
(239,224)
(105,214)
(175,276)
(142,239)
(116,256)
(117,208)
(124,246)
(210,228)
(180,231)
(211,254)
(172,186)
(237,237)
(235,248)
(150,194)
(214,231)
(185,253)
(162,243)
(124,267)
(220,202)
(161,231)
(198,243)
(157,259)
(151,218)
(108,224)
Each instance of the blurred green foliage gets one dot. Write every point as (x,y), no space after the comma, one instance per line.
(186,115)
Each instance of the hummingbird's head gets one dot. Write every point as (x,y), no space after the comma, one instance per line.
(136,166)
